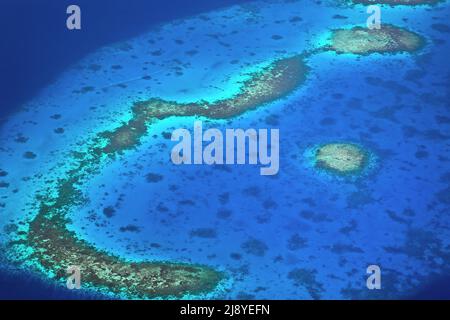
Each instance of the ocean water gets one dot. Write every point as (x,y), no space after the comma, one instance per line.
(302,234)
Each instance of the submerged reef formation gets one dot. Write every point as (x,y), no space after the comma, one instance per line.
(270,83)
(52,247)
(341,158)
(363,41)
(396,2)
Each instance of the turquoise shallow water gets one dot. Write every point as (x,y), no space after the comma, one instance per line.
(299,235)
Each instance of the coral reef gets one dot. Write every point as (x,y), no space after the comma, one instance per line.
(363,41)
(270,83)
(54,247)
(396,2)
(307,278)
(341,158)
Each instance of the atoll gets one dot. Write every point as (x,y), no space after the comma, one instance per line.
(54,247)
(272,82)
(341,158)
(364,41)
